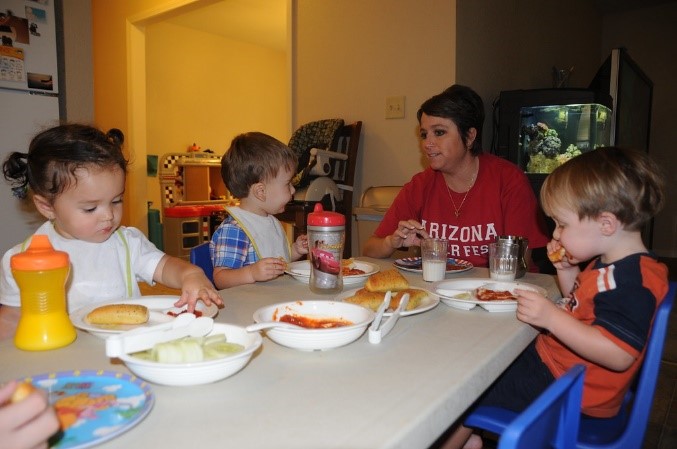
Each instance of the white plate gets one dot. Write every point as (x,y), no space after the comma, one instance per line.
(459,293)
(301,272)
(158,306)
(414,265)
(426,304)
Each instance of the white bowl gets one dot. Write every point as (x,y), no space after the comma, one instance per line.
(181,374)
(316,339)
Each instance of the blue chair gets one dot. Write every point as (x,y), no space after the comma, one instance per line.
(551,421)
(200,256)
(625,430)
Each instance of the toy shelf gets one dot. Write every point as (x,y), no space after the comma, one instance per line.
(193,198)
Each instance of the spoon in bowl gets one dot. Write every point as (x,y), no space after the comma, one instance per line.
(271,324)
(134,340)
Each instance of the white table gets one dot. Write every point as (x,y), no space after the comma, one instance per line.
(402,393)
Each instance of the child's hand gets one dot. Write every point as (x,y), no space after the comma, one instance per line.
(268,268)
(196,287)
(533,308)
(28,422)
(300,246)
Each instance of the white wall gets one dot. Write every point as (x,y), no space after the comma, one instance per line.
(78,79)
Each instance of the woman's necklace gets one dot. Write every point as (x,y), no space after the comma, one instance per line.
(457,210)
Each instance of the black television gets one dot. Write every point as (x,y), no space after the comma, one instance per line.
(631,91)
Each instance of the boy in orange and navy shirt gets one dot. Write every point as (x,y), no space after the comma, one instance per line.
(599,202)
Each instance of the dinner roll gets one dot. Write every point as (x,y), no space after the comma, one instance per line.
(415,297)
(388,280)
(118,314)
(364,298)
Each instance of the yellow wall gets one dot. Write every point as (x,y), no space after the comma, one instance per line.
(119,36)
(202,88)
(348,57)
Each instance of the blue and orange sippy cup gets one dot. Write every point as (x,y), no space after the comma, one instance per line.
(41,273)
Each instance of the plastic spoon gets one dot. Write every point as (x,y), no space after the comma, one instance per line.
(456,294)
(271,324)
(135,340)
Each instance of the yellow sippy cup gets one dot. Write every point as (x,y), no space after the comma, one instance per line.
(41,273)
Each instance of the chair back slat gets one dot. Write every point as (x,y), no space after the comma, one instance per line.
(200,256)
(551,421)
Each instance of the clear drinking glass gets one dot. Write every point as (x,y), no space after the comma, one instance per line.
(503,261)
(434,259)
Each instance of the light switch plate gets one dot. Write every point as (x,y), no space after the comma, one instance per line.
(395,107)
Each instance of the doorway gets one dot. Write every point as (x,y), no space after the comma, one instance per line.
(198,76)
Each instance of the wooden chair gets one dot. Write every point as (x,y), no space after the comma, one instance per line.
(347,142)
(342,171)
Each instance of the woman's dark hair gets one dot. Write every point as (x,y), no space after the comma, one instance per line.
(54,155)
(461,105)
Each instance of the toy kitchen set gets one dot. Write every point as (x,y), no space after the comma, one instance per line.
(194,198)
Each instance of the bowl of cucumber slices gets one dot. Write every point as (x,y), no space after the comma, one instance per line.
(195,360)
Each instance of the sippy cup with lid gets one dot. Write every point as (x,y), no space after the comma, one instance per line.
(41,273)
(326,236)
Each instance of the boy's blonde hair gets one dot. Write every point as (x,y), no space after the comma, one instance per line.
(627,183)
(254,157)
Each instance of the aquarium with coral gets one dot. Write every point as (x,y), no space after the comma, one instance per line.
(551,135)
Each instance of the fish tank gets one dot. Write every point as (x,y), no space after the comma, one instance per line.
(551,135)
(539,129)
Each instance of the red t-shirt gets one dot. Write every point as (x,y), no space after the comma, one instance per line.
(501,202)
(620,300)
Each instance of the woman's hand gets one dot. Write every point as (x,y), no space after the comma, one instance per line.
(408,233)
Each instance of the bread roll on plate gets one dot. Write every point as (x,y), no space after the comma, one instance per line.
(388,280)
(415,297)
(364,298)
(118,314)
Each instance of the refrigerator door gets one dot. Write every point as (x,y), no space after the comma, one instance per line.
(22,115)
(28,98)
(28,56)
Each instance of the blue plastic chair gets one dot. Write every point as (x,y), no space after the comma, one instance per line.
(200,256)
(624,431)
(551,421)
